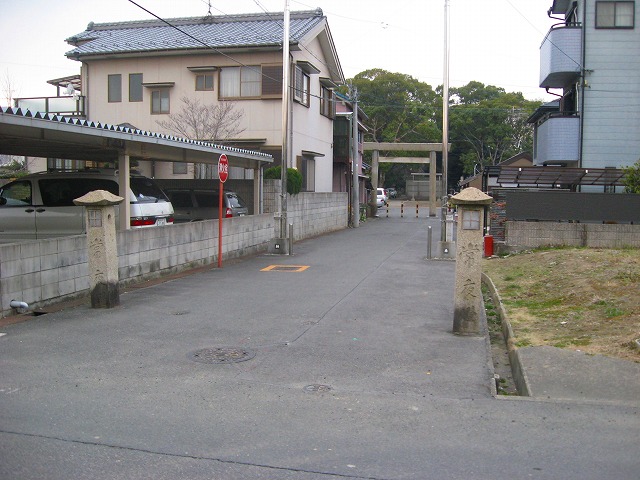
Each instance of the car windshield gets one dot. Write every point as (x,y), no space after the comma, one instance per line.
(146,191)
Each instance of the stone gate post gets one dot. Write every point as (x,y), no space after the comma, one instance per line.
(102,249)
(468,295)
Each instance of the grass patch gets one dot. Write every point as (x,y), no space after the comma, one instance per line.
(572,298)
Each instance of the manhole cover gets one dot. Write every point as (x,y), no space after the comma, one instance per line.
(317,388)
(222,355)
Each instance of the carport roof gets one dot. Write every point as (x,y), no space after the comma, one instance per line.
(23,132)
(542,176)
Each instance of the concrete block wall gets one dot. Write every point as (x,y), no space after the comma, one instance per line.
(38,270)
(314,214)
(152,252)
(271,195)
(594,235)
(46,271)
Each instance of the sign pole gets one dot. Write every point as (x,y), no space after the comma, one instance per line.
(223,174)
(220,226)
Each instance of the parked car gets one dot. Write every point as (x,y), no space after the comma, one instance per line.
(393,193)
(191,205)
(382,197)
(40,205)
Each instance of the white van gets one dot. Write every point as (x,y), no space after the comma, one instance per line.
(40,205)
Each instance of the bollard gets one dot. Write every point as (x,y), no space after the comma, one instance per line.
(416,210)
(402,210)
(387,210)
(429,236)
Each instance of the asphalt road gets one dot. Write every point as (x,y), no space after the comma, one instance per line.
(350,371)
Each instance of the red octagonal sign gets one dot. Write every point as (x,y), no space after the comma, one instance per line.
(223,168)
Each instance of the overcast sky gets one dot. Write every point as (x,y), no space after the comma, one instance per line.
(495,42)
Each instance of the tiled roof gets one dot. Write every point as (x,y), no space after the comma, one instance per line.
(226,31)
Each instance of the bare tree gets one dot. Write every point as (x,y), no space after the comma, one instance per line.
(9,89)
(212,123)
(9,92)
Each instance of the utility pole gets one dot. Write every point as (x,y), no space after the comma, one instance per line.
(286,70)
(445,103)
(354,155)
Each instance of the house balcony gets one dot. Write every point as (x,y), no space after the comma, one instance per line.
(560,55)
(72,106)
(557,140)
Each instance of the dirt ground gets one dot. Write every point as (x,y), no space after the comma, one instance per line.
(582,299)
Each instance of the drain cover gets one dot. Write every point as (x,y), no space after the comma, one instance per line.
(222,355)
(317,388)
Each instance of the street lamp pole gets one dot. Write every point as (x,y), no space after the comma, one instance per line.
(354,163)
(286,69)
(445,102)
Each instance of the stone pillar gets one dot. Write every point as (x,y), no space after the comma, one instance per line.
(432,184)
(375,161)
(468,295)
(100,218)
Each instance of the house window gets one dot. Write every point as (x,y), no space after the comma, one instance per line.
(204,82)
(179,168)
(237,82)
(327,103)
(301,86)
(115,88)
(66,164)
(615,14)
(307,168)
(135,87)
(251,81)
(160,101)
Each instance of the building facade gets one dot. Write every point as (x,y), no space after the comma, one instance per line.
(591,60)
(148,73)
(343,149)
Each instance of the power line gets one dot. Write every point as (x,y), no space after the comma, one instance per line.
(220,52)
(548,39)
(201,42)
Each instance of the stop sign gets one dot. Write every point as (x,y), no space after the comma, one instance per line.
(223,168)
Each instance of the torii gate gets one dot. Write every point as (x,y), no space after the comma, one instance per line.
(432,148)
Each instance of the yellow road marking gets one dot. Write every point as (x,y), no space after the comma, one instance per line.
(285,268)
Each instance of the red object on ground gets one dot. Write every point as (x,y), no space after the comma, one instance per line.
(488,245)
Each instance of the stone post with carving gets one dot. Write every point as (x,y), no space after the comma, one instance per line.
(468,295)
(102,249)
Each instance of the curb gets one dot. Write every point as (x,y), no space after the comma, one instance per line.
(517,368)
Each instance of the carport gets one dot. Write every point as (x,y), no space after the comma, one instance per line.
(52,136)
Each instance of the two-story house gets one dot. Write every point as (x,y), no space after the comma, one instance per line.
(590,59)
(142,72)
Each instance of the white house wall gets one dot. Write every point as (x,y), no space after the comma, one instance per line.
(311,130)
(262,117)
(611,115)
(259,115)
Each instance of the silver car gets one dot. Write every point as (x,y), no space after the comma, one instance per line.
(191,205)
